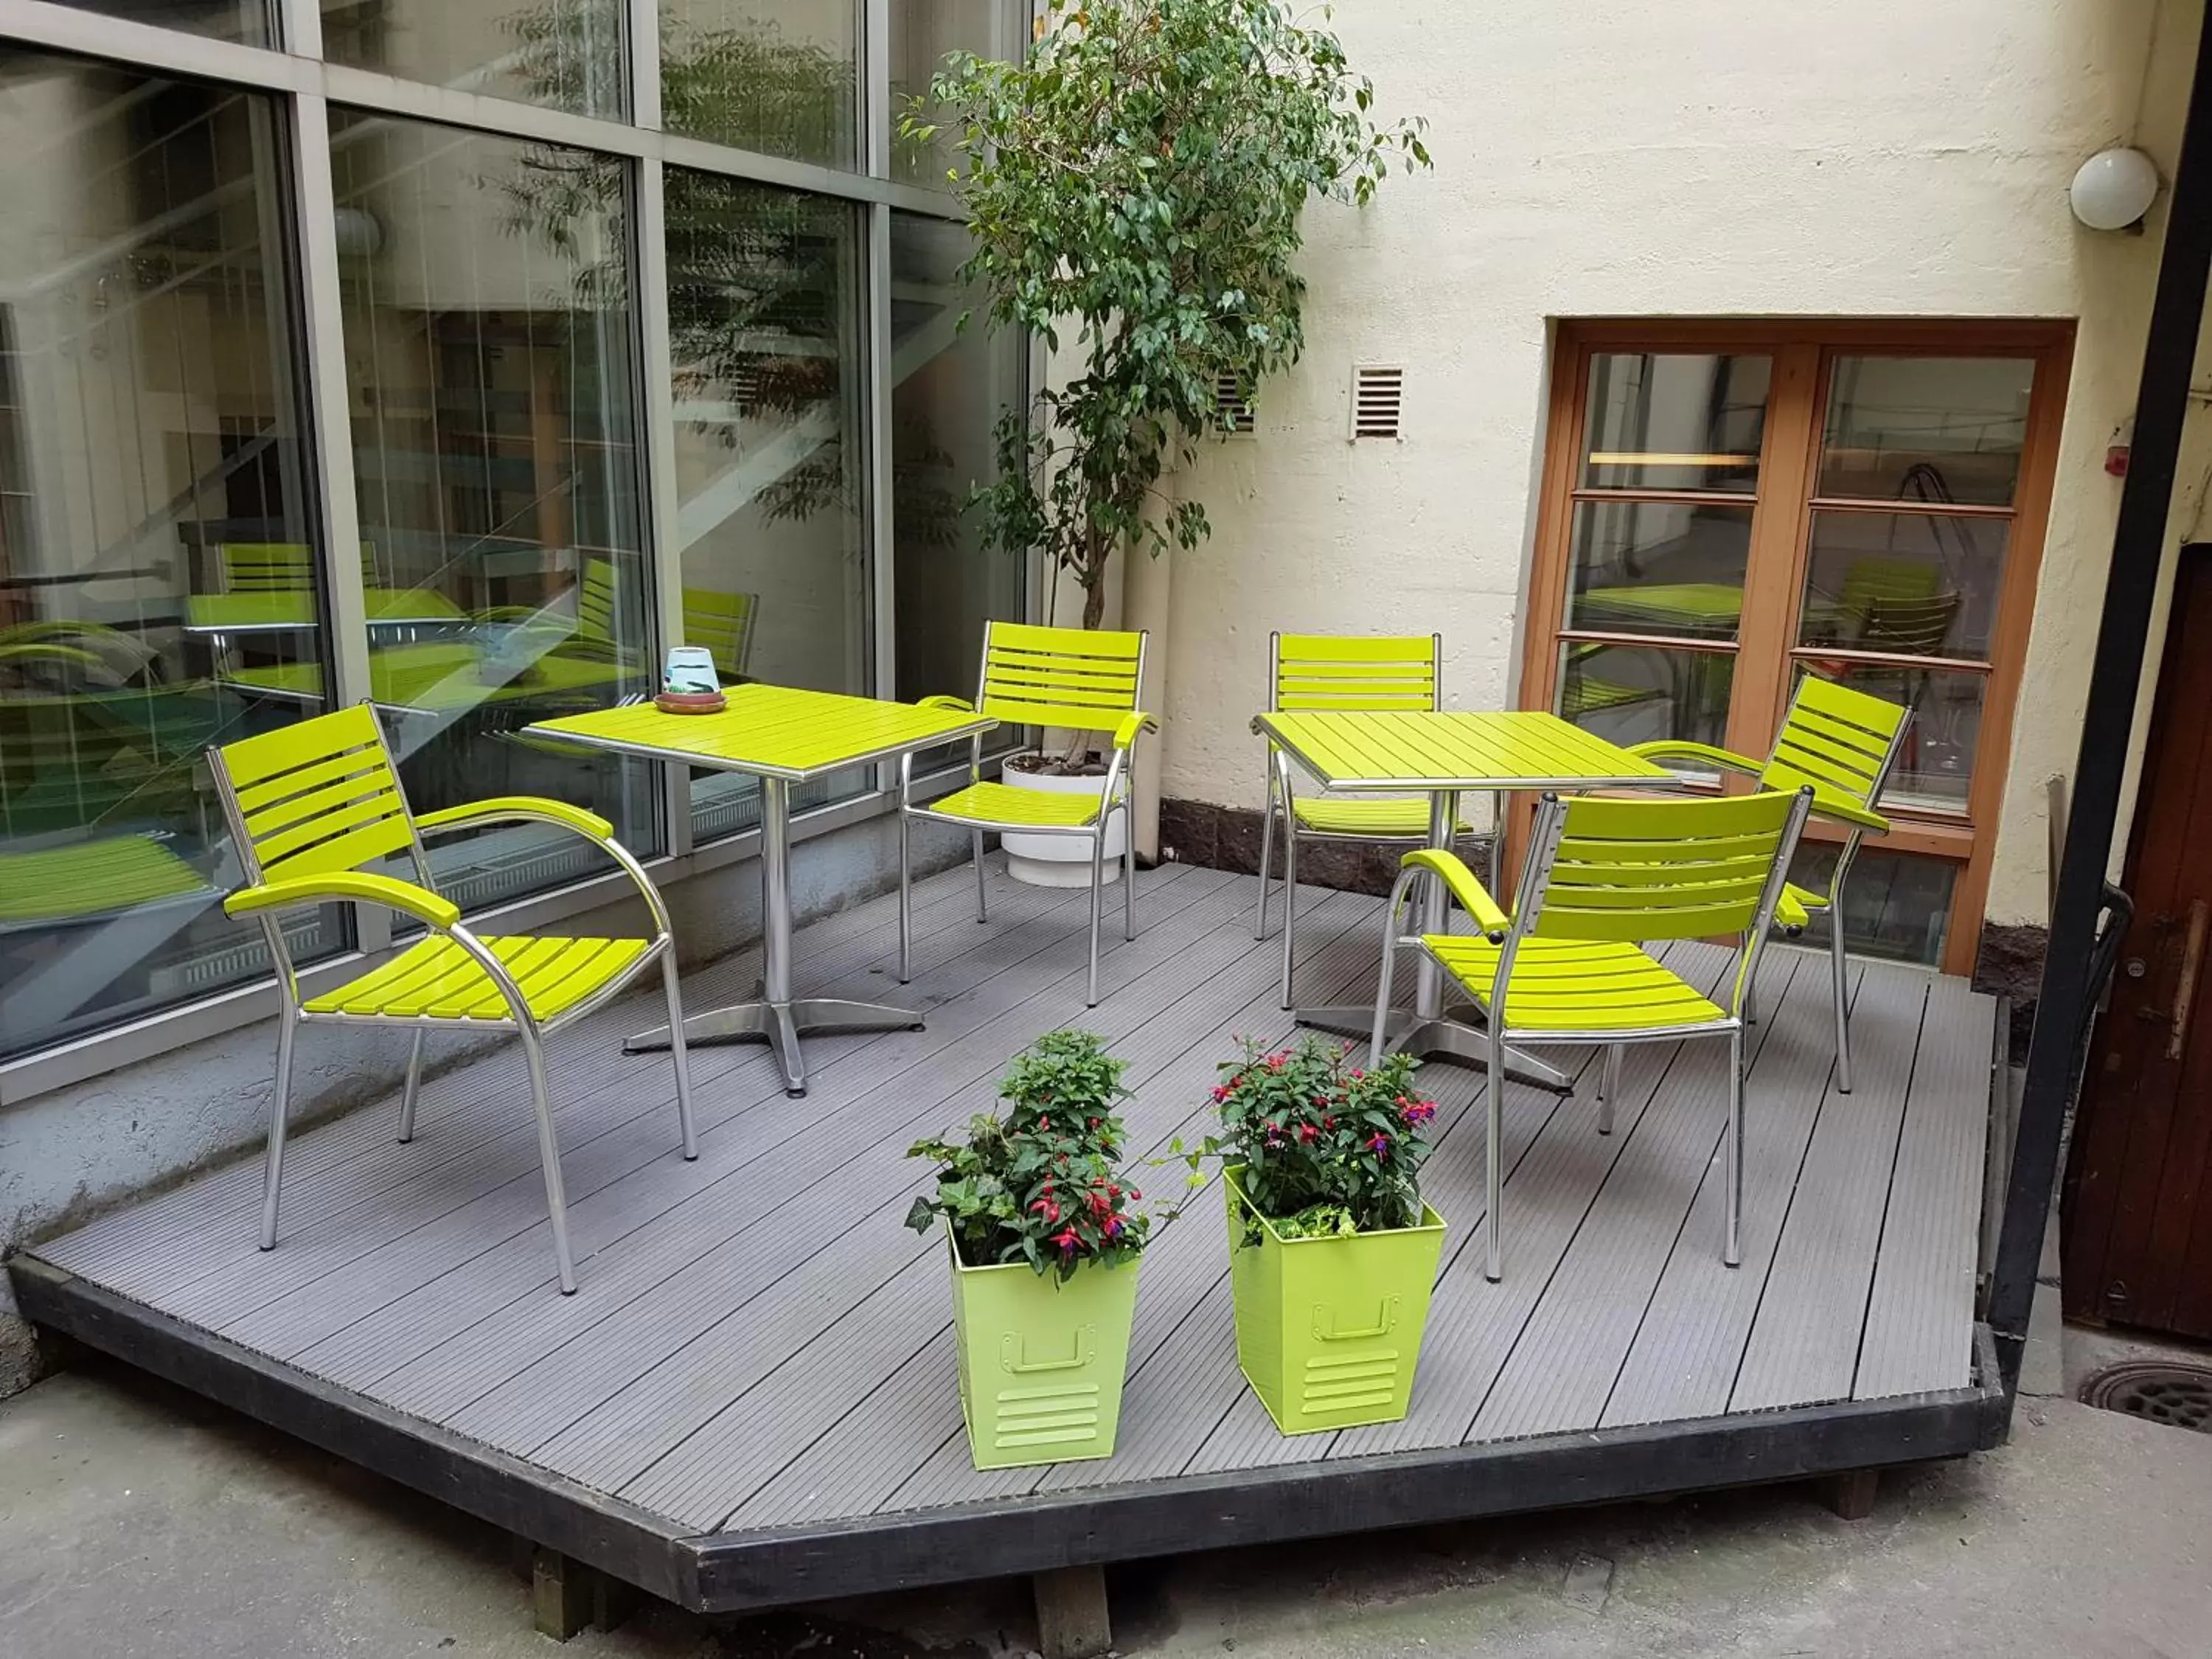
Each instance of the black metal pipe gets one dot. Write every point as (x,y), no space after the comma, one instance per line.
(2138,546)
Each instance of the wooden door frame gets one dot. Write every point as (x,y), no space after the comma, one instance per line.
(1782,517)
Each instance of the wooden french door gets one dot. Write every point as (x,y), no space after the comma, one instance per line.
(2137,1228)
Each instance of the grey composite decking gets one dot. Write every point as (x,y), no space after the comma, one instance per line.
(759,1346)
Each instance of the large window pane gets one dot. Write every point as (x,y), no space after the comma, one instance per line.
(1660,568)
(155,548)
(1635,694)
(1912,583)
(1926,428)
(776,76)
(1936,765)
(922,32)
(1689,422)
(565,53)
(489,360)
(763,314)
(1895,904)
(251,22)
(949,386)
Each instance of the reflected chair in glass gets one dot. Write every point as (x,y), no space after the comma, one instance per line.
(1340,674)
(1600,879)
(722,623)
(1076,678)
(1842,744)
(311,807)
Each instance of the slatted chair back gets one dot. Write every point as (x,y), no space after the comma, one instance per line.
(1641,871)
(1913,628)
(1334,674)
(723,623)
(1839,740)
(1084,679)
(596,600)
(280,567)
(314,799)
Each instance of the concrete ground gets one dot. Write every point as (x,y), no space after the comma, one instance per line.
(138,1520)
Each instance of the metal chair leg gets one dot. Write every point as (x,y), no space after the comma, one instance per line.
(549,1155)
(1732,1252)
(672,991)
(906,896)
(1608,1087)
(1840,967)
(1267,854)
(1290,900)
(414,1087)
(1097,906)
(982,904)
(1493,1088)
(272,1175)
(1129,880)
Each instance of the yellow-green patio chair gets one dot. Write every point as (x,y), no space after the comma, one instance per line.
(1340,674)
(1082,679)
(1843,743)
(1600,879)
(311,806)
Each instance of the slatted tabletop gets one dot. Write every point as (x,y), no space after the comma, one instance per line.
(758,1343)
(1508,749)
(770,730)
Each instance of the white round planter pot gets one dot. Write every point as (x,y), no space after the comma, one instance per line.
(1062,860)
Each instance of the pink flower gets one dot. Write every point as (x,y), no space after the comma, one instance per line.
(1380,1145)
(1420,1111)
(1067,1241)
(1308,1134)
(1220,1094)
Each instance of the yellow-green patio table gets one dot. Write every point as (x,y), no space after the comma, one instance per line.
(781,735)
(1445,755)
(436,678)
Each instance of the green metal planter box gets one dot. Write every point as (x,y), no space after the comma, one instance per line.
(1328,1330)
(1041,1361)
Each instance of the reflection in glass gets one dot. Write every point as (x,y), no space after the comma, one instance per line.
(489,365)
(922,32)
(1926,428)
(1660,568)
(1936,764)
(1635,694)
(1896,905)
(1685,422)
(567,54)
(249,22)
(775,75)
(155,540)
(1911,584)
(764,315)
(949,386)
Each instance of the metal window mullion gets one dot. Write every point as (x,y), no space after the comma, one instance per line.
(882,523)
(151,46)
(300,26)
(876,86)
(659,500)
(644,44)
(330,432)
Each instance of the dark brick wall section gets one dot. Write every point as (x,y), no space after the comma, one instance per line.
(2009,963)
(1228,838)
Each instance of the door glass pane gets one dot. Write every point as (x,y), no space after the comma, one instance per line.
(1660,568)
(922,32)
(488,362)
(155,549)
(1635,693)
(950,387)
(764,321)
(1936,764)
(775,75)
(1926,428)
(1675,422)
(568,54)
(1896,905)
(1912,583)
(250,22)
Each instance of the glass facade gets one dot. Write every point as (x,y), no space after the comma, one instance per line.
(433,446)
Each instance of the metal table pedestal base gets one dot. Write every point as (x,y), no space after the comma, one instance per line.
(1439,1036)
(781,1024)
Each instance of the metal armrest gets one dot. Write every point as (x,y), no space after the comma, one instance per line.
(1125,734)
(1791,916)
(517,809)
(387,891)
(945,700)
(1473,896)
(1828,805)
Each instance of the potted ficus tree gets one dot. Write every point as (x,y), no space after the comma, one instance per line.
(1043,1243)
(1332,1251)
(1135,190)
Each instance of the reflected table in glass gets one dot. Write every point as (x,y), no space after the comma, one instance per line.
(781,735)
(1443,756)
(286,611)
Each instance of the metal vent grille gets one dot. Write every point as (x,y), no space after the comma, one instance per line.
(1378,401)
(1233,405)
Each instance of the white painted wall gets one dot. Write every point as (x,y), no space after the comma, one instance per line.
(1704,158)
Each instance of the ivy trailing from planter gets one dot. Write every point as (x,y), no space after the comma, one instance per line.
(1040,1183)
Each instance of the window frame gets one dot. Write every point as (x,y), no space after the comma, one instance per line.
(1765,649)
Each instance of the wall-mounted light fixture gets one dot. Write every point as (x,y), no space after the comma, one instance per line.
(2114,188)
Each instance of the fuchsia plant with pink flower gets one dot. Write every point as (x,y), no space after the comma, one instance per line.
(1326,1147)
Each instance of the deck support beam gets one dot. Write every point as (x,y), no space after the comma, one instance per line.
(1851,1494)
(560,1594)
(1071,1613)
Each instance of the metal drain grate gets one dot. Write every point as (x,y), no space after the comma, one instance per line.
(2171,1391)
